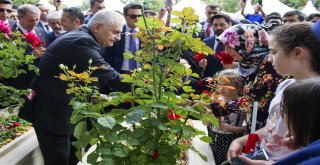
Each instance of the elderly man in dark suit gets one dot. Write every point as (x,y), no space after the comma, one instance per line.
(54,21)
(28,16)
(49,110)
(114,55)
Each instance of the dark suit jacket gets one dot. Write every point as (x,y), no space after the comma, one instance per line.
(114,55)
(50,38)
(23,80)
(49,110)
(214,64)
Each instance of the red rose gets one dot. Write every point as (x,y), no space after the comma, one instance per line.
(155,154)
(16,124)
(5,28)
(206,92)
(172,115)
(33,39)
(198,57)
(225,58)
(242,100)
(200,83)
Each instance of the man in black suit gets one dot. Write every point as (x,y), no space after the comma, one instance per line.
(54,21)
(114,55)
(49,109)
(206,30)
(28,16)
(5,11)
(95,6)
(220,22)
(72,18)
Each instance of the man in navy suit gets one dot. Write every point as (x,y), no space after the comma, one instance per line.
(28,16)
(49,110)
(220,22)
(114,55)
(54,21)
(43,22)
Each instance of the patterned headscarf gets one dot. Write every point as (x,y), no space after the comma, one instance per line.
(251,42)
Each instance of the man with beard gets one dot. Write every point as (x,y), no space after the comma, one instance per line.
(54,21)
(220,22)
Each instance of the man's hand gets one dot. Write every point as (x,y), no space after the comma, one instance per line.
(203,63)
(38,52)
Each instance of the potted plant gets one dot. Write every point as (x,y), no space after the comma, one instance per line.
(155,129)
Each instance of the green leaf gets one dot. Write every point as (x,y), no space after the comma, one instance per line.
(188,11)
(112,137)
(80,129)
(134,141)
(106,161)
(107,121)
(175,20)
(206,139)
(78,105)
(93,157)
(187,89)
(177,13)
(159,104)
(128,55)
(104,150)
(212,119)
(134,116)
(138,132)
(120,152)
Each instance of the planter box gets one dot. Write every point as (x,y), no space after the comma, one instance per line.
(24,150)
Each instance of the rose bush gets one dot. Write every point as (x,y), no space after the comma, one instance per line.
(155,129)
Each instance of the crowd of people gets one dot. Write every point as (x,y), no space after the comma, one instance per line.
(276,63)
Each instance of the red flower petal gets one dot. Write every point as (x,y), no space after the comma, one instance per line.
(155,154)
(198,57)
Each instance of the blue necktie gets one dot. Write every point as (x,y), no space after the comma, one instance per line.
(132,49)
(219,47)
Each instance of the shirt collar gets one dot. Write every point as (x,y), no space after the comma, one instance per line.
(21,28)
(136,29)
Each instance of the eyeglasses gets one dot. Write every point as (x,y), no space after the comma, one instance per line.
(133,16)
(8,10)
(212,13)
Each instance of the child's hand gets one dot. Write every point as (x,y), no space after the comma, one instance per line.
(225,127)
(288,141)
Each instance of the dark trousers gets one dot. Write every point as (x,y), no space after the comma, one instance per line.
(56,149)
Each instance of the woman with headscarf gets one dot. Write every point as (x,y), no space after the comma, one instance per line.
(248,44)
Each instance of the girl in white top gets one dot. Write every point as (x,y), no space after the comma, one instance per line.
(295,52)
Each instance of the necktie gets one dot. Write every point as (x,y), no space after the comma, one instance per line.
(132,49)
(47,28)
(219,47)
(208,30)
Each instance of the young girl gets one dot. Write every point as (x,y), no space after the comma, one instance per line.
(299,59)
(225,109)
(300,110)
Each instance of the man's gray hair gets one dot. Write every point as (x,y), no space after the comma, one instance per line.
(24,9)
(54,15)
(107,17)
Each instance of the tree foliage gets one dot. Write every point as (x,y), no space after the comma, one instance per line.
(20,2)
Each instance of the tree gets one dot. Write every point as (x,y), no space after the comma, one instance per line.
(20,2)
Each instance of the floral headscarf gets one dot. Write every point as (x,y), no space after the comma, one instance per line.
(251,42)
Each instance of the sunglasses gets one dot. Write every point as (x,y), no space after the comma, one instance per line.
(133,16)
(8,10)
(212,13)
